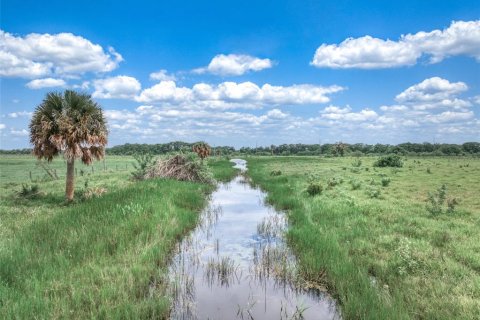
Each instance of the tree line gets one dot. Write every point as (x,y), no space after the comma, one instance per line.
(300,149)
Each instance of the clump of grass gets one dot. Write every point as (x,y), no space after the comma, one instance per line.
(332,182)
(386,181)
(389,161)
(357,163)
(355,170)
(314,189)
(429,171)
(356,184)
(182,168)
(275,173)
(94,192)
(437,202)
(373,192)
(29,191)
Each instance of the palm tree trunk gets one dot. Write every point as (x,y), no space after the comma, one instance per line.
(69,188)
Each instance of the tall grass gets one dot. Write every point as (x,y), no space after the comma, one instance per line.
(384,257)
(103,257)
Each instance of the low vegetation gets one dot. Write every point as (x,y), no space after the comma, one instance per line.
(384,244)
(102,256)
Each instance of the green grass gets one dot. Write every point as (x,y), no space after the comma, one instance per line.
(103,257)
(383,257)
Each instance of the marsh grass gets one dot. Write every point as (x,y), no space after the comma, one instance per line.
(100,257)
(344,238)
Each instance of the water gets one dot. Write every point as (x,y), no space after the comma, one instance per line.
(236,265)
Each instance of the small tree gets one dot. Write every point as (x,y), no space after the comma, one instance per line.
(70,123)
(339,149)
(202,149)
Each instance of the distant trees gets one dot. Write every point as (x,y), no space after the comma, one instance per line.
(202,149)
(300,149)
(71,124)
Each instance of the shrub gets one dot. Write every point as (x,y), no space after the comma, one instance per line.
(389,161)
(373,192)
(438,200)
(386,181)
(143,162)
(275,173)
(314,189)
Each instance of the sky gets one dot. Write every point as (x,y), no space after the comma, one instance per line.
(246,73)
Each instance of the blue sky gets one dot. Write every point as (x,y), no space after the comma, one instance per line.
(249,72)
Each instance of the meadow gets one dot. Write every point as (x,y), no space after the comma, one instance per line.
(375,240)
(370,235)
(103,256)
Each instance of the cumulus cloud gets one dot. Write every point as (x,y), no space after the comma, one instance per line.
(162,75)
(37,55)
(45,83)
(346,114)
(119,87)
(190,119)
(231,94)
(431,89)
(234,65)
(460,38)
(20,114)
(2,126)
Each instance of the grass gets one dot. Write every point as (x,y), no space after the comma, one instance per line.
(383,256)
(103,257)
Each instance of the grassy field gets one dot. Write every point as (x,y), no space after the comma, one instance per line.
(374,244)
(103,257)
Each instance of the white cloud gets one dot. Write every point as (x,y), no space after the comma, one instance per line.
(450,116)
(45,83)
(231,94)
(346,114)
(2,126)
(20,114)
(19,133)
(432,89)
(37,55)
(162,75)
(235,65)
(84,85)
(165,91)
(119,87)
(460,38)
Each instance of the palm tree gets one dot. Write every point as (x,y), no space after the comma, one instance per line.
(70,123)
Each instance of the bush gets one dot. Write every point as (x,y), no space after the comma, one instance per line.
(386,181)
(389,161)
(314,189)
(438,200)
(29,192)
(373,192)
(143,162)
(275,173)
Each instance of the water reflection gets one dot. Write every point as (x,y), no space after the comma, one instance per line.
(236,264)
